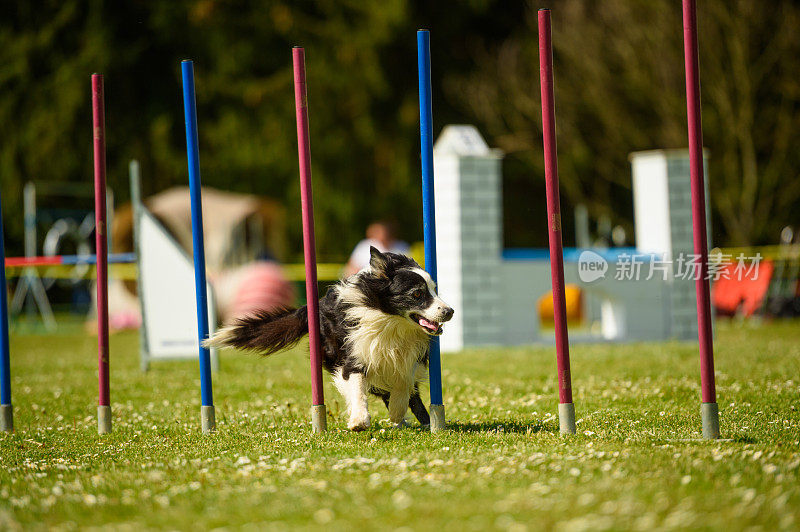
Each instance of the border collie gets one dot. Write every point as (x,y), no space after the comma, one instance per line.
(375,329)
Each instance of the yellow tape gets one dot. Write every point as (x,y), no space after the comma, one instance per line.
(127,272)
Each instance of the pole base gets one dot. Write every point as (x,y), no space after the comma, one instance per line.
(566,418)
(437,418)
(207,419)
(319,419)
(6,418)
(103,419)
(710,416)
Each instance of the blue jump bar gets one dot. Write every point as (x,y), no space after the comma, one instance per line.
(113,258)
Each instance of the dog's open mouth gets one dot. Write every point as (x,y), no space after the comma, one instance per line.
(430,327)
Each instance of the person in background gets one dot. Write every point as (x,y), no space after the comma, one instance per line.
(380,234)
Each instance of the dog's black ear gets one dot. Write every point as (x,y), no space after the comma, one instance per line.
(377,260)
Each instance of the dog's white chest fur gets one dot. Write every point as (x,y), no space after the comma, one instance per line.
(389,347)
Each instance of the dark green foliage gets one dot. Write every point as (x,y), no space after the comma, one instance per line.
(361,63)
(619,87)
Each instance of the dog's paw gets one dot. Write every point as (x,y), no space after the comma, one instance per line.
(357,424)
(402,424)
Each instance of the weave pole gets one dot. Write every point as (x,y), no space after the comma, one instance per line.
(566,409)
(318,418)
(6,410)
(428,213)
(709,412)
(101,243)
(207,418)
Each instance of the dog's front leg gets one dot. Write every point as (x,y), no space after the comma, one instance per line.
(398,405)
(354,390)
(359,410)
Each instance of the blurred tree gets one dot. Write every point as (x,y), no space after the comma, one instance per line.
(751,90)
(362,95)
(244,89)
(47,53)
(620,88)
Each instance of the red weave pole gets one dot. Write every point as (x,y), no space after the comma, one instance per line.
(307,203)
(101,235)
(554,208)
(700,236)
(709,393)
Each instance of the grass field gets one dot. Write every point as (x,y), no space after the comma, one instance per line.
(637,462)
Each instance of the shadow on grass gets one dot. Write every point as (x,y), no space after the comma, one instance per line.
(515,427)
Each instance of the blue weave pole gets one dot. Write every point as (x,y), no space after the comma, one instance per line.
(428,214)
(6,411)
(193,160)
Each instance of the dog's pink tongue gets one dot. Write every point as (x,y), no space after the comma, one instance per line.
(428,324)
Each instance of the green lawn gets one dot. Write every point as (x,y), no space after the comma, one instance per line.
(637,462)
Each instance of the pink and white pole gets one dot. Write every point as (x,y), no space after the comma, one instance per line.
(318,420)
(101,241)
(709,411)
(566,409)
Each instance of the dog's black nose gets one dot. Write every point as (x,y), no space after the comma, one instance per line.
(448,313)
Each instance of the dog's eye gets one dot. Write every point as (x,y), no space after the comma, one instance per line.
(417,294)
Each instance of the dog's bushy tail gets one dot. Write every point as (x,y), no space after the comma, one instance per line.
(265,332)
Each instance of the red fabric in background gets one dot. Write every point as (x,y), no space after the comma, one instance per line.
(749,291)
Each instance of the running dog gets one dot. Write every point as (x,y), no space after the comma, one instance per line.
(375,329)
